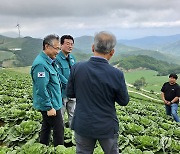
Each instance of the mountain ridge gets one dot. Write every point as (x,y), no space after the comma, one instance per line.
(30,47)
(157,43)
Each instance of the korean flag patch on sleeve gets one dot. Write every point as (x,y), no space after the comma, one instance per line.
(41,74)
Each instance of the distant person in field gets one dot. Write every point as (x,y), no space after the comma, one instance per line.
(46,91)
(97,85)
(170,95)
(65,61)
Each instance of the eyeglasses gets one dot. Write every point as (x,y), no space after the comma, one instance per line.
(57,48)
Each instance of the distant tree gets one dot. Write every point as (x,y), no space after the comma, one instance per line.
(1,62)
(140,83)
(152,91)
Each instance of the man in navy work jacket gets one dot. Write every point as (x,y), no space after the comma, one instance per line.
(46,91)
(97,85)
(65,61)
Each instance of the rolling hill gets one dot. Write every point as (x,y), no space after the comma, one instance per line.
(143,61)
(155,54)
(157,43)
(24,50)
(84,44)
(173,48)
(30,47)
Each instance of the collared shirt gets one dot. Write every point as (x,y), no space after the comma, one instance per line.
(46,84)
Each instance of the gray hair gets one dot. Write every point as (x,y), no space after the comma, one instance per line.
(49,39)
(104,42)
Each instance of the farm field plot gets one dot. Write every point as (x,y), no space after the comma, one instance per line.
(5,55)
(24,70)
(144,127)
(154,82)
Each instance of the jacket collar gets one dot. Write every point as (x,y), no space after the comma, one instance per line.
(47,58)
(63,56)
(98,59)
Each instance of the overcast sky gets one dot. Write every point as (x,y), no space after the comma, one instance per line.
(127,19)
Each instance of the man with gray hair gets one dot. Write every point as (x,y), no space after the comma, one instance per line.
(46,91)
(97,85)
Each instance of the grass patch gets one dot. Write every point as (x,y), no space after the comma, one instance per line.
(5,55)
(154,82)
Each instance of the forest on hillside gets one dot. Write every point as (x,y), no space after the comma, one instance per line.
(143,61)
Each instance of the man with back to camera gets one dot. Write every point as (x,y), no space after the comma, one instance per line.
(65,61)
(97,85)
(170,93)
(46,91)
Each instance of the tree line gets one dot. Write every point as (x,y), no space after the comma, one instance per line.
(134,62)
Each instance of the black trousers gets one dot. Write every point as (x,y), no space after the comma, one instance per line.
(56,124)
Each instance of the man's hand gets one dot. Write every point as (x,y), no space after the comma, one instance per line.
(168,103)
(51,112)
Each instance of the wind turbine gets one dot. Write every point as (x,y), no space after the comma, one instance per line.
(18,26)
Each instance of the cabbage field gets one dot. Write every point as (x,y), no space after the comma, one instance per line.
(144,127)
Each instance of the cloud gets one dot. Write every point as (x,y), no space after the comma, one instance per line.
(81,8)
(39,17)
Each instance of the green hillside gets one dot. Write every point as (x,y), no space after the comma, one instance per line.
(84,44)
(161,43)
(12,43)
(134,62)
(5,55)
(80,55)
(30,47)
(154,82)
(151,53)
(173,48)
